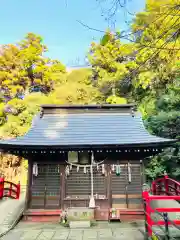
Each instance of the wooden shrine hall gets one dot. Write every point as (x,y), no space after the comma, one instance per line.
(85,156)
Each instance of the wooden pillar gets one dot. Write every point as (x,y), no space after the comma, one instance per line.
(62,187)
(29,185)
(109,184)
(143,176)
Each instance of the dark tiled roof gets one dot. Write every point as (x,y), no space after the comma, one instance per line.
(87,128)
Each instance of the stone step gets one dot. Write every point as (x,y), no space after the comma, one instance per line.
(79,224)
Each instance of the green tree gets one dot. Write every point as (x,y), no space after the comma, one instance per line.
(112,61)
(2,115)
(24,68)
(116,100)
(77,89)
(166,123)
(157,41)
(146,71)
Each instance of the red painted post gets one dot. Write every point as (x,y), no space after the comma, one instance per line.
(1,187)
(146,198)
(166,183)
(176,189)
(18,190)
(10,190)
(154,188)
(166,176)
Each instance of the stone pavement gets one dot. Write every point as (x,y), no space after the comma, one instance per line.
(10,211)
(37,231)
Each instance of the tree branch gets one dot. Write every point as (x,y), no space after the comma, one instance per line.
(90,28)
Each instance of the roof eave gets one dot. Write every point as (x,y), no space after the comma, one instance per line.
(6,146)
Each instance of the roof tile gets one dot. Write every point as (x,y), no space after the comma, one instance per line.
(87,129)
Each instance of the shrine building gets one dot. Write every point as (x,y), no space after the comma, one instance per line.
(80,152)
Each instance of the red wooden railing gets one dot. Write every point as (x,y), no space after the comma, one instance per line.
(165,186)
(162,189)
(9,189)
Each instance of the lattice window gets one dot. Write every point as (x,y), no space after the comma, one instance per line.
(78,183)
(100,186)
(135,187)
(38,182)
(119,182)
(52,180)
(46,187)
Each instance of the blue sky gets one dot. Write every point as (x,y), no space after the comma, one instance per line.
(56,22)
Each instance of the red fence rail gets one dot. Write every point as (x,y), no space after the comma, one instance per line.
(165,185)
(9,189)
(162,189)
(148,211)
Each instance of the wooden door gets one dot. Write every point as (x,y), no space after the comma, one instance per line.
(127,188)
(78,188)
(100,188)
(38,188)
(52,187)
(45,188)
(119,188)
(134,187)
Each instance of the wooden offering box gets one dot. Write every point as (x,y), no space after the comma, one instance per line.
(114,214)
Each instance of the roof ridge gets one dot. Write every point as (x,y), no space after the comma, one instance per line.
(88,106)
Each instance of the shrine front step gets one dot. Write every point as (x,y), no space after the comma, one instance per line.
(79,224)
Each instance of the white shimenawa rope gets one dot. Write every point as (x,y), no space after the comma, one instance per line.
(129,173)
(35,169)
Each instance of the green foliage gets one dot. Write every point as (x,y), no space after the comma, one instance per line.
(168,161)
(111,62)
(146,71)
(25,118)
(10,129)
(147,106)
(16,105)
(162,22)
(116,100)
(80,76)
(2,115)
(23,67)
(74,92)
(166,124)
(156,85)
(47,77)
(156,167)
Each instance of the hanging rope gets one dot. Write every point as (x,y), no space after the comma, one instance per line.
(35,169)
(103,169)
(85,167)
(92,200)
(129,173)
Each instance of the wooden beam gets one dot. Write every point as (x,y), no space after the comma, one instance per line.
(62,186)
(109,184)
(29,185)
(130,196)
